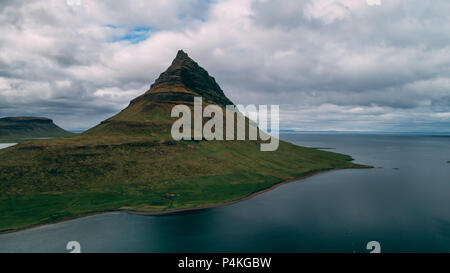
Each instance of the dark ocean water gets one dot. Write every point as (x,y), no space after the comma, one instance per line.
(405,206)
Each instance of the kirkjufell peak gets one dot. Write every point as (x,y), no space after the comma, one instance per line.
(187,76)
(183,80)
(181,55)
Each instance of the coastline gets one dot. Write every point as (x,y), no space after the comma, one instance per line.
(215,205)
(173,211)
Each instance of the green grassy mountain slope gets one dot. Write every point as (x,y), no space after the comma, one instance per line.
(130,162)
(18,128)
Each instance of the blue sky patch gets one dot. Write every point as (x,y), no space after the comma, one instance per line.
(134,35)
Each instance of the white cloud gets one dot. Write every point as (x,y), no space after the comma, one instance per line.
(373,2)
(328,63)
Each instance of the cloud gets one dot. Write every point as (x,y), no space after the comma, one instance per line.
(373,2)
(327,63)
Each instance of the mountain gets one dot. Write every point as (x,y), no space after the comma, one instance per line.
(130,161)
(186,76)
(150,112)
(17,128)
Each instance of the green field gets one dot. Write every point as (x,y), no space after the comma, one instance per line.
(71,180)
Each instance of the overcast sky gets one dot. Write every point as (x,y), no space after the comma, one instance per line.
(364,65)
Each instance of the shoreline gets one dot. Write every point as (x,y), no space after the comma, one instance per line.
(173,211)
(223,204)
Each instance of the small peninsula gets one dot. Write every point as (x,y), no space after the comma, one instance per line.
(130,162)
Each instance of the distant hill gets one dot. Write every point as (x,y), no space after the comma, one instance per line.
(17,128)
(130,161)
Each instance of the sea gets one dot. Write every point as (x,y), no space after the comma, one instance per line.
(402,206)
